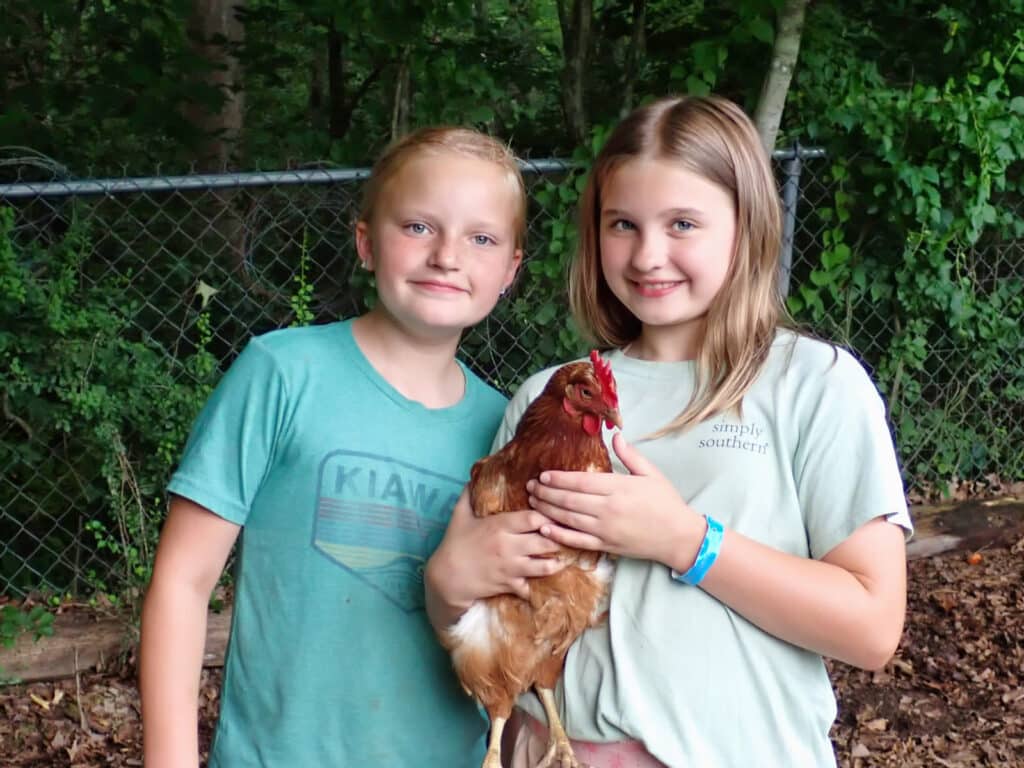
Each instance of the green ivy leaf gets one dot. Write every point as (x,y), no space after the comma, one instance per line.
(480,114)
(762,30)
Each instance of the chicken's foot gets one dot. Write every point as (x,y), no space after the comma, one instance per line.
(493,757)
(559,754)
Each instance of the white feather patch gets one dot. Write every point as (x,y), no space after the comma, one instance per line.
(603,572)
(475,628)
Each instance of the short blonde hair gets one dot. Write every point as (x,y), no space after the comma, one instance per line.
(712,137)
(437,139)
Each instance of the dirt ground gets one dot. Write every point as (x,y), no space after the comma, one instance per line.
(953,696)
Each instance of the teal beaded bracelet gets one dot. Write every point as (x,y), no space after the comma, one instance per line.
(706,555)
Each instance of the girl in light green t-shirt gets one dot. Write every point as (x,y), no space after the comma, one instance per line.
(757,509)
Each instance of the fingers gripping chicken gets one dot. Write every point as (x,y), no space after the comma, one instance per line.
(504,645)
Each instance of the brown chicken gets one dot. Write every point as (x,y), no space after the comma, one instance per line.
(502,646)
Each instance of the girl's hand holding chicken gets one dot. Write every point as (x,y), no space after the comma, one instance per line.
(485,556)
(640,515)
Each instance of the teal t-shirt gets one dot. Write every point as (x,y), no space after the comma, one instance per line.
(343,488)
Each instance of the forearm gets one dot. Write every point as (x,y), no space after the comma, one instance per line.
(173,639)
(810,603)
(849,605)
(444,605)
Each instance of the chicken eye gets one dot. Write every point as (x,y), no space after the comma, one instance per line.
(586,393)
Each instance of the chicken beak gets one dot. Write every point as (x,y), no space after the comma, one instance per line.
(613,418)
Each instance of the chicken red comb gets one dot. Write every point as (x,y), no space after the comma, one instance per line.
(603,369)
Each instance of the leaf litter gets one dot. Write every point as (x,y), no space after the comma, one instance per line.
(952,696)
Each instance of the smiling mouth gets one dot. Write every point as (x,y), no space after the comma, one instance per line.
(436,285)
(656,289)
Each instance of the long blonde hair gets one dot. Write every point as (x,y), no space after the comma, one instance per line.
(712,137)
(459,141)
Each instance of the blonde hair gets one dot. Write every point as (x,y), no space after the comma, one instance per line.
(712,137)
(435,140)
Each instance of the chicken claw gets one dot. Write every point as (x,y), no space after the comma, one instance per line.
(559,754)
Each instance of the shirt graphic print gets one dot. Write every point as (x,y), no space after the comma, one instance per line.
(736,436)
(381,519)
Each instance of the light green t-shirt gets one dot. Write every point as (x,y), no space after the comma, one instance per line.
(344,489)
(811,460)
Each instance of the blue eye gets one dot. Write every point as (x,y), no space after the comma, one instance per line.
(417,228)
(483,240)
(623,225)
(682,225)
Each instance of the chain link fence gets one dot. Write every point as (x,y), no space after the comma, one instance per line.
(142,290)
(938,322)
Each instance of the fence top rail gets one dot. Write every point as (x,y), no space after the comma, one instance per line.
(206,181)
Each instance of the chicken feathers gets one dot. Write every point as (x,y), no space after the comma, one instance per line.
(504,645)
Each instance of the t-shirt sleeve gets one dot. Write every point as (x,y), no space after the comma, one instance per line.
(235,437)
(845,467)
(507,427)
(525,395)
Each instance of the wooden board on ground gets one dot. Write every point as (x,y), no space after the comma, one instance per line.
(966,526)
(81,643)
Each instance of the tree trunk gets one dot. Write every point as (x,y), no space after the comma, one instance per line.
(214,27)
(575,17)
(480,16)
(634,56)
(316,85)
(343,103)
(788,31)
(31,60)
(339,115)
(403,98)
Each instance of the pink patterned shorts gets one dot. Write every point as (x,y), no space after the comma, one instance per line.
(529,737)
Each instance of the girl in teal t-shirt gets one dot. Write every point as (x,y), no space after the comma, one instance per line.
(335,454)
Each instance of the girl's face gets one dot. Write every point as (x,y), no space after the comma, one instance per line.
(666,237)
(442,242)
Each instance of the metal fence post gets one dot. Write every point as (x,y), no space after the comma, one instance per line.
(790,197)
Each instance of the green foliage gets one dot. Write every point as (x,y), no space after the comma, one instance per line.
(16,621)
(301,301)
(927,183)
(112,86)
(102,83)
(738,31)
(86,389)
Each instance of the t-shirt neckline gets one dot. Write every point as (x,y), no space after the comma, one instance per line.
(451,412)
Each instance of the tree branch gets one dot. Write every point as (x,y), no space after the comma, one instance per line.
(576,25)
(774,89)
(634,55)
